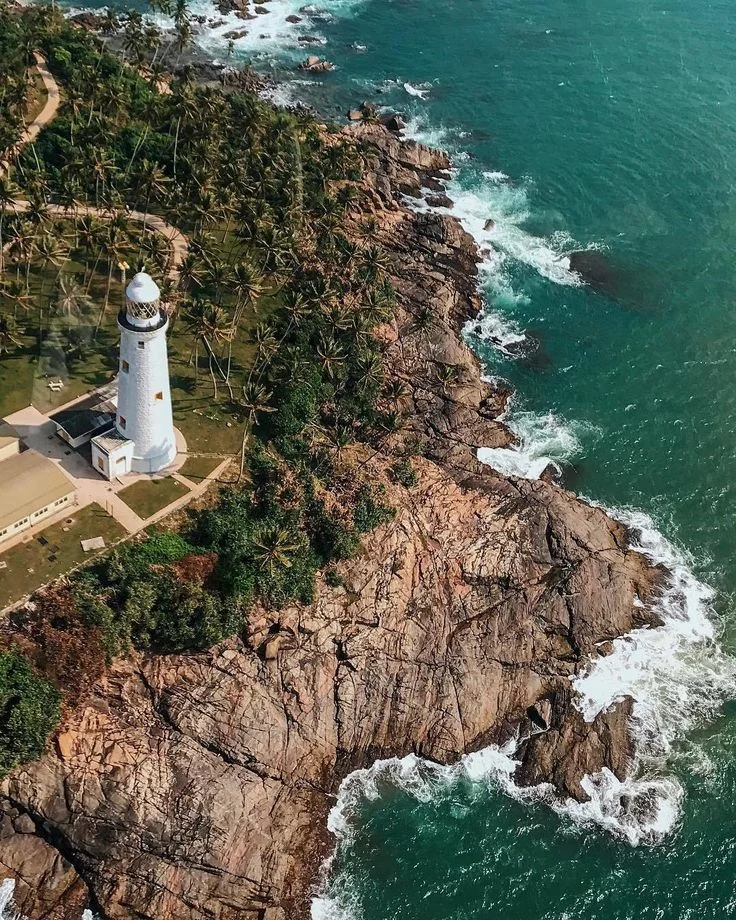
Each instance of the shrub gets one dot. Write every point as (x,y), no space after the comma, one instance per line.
(369,511)
(404,473)
(29,711)
(334,579)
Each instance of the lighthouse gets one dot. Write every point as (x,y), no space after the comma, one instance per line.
(143,438)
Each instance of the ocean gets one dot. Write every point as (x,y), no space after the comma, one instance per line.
(607,128)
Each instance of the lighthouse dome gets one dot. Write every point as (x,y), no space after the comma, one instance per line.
(142,289)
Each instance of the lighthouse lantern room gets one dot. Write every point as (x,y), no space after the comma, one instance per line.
(143,440)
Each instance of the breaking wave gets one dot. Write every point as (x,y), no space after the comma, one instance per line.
(678,678)
(493,209)
(420,92)
(273,33)
(543,441)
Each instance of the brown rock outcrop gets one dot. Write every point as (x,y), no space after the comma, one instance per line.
(197,786)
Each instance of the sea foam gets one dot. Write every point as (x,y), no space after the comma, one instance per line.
(269,35)
(543,440)
(677,674)
(480,197)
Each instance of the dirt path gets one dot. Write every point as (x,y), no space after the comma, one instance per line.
(178,243)
(49,110)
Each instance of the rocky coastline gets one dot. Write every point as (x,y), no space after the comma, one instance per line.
(198,786)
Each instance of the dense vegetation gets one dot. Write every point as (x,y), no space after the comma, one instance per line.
(29,710)
(263,196)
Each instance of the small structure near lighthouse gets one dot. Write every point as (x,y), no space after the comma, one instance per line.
(142,440)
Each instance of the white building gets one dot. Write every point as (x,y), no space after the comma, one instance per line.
(143,439)
(33,488)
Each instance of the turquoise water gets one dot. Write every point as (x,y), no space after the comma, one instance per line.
(576,124)
(616,125)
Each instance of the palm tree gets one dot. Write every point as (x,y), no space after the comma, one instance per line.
(331,354)
(256,401)
(152,183)
(191,272)
(185,107)
(156,250)
(21,236)
(70,297)
(208,323)
(375,264)
(16,292)
(6,200)
(370,371)
(274,546)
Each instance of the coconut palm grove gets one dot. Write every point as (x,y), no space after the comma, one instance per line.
(272,355)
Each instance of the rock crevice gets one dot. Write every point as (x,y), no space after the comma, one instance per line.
(197,786)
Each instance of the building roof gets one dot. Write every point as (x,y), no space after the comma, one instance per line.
(88,416)
(111,441)
(142,289)
(8,434)
(30,482)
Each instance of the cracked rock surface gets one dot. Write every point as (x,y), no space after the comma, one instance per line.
(197,786)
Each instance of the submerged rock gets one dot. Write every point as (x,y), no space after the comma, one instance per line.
(594,269)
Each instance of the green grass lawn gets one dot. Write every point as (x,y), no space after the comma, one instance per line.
(197,469)
(210,424)
(60,552)
(56,345)
(147,496)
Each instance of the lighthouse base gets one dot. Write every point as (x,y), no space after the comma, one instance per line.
(155,463)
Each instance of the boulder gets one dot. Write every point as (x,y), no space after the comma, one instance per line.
(439,201)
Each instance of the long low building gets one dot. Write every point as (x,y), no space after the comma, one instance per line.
(33,488)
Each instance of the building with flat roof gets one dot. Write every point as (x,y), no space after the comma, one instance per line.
(86,418)
(33,488)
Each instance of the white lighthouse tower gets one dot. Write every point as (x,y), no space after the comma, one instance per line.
(143,440)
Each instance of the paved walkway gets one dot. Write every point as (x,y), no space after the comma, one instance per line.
(49,110)
(39,433)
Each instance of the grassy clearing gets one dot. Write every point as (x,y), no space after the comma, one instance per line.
(197,469)
(147,496)
(69,347)
(30,565)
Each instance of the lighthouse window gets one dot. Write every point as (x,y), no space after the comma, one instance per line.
(126,366)
(141,345)
(159,395)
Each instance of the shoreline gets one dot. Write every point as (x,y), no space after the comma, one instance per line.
(453,427)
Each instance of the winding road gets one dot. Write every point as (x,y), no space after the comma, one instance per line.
(178,243)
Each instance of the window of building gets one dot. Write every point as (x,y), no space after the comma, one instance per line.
(141,345)
(122,421)
(159,395)
(126,367)
(100,463)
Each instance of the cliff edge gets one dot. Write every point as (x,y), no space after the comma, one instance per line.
(197,786)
